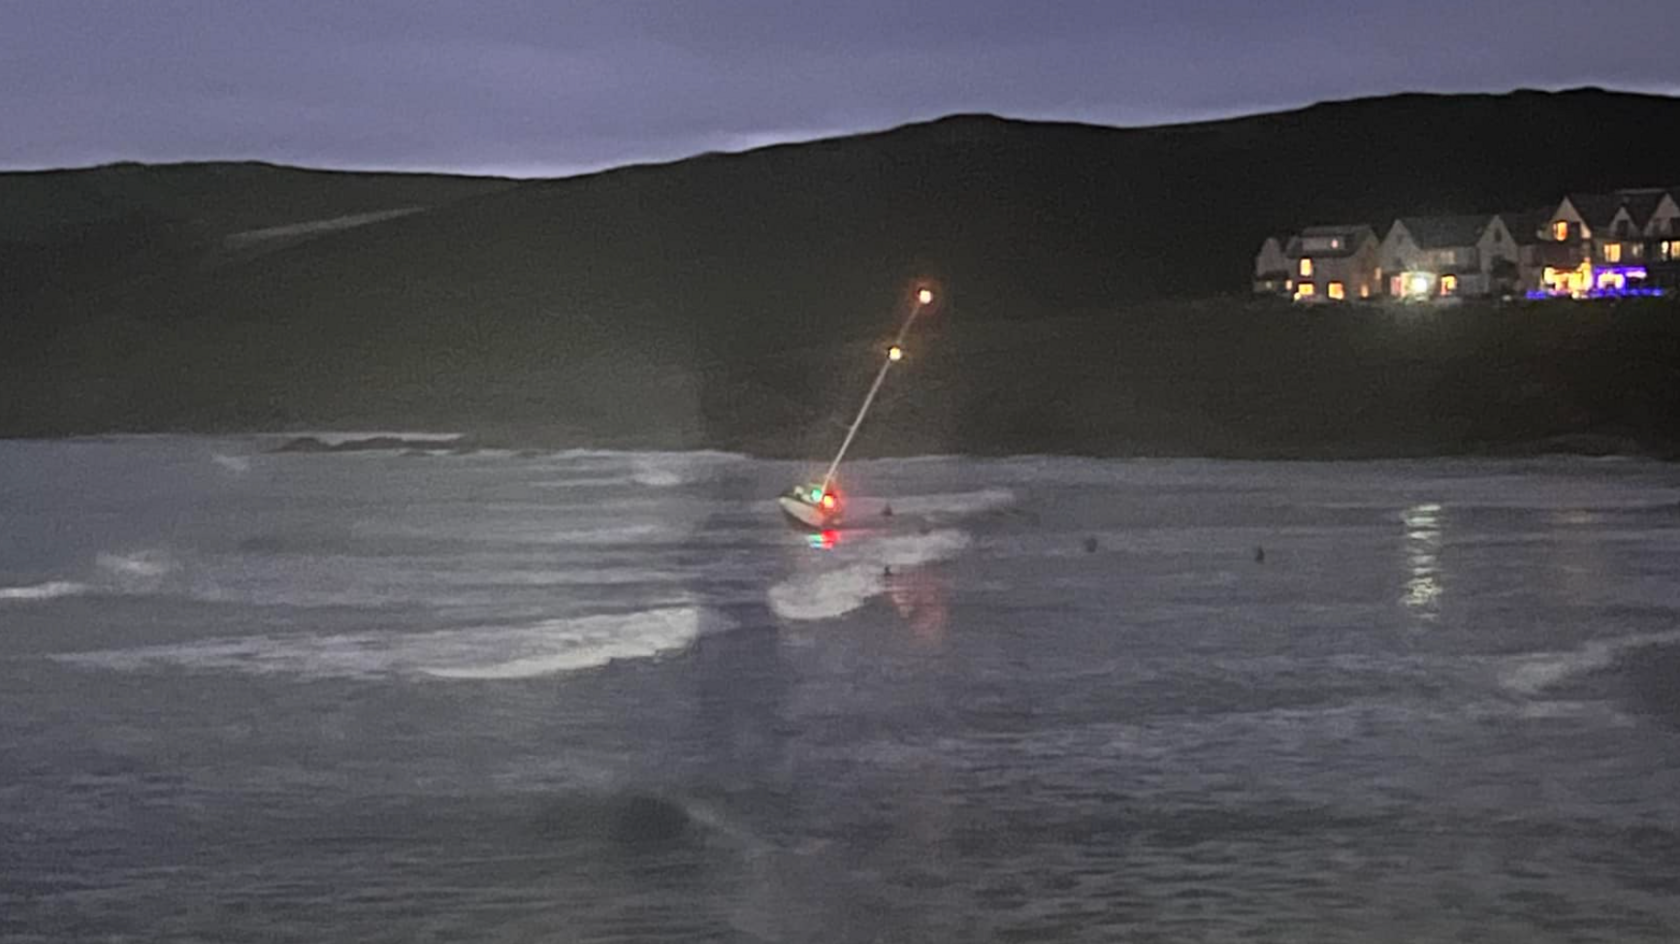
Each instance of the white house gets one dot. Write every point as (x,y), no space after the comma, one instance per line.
(1662,241)
(1271,268)
(1600,242)
(1437,256)
(1334,263)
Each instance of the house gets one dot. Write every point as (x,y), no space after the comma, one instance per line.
(1529,230)
(1271,268)
(1334,263)
(1662,240)
(1598,242)
(1442,256)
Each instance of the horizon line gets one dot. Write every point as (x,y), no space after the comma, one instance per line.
(750,142)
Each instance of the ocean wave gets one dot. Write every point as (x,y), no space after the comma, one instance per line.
(652,476)
(485,653)
(342,438)
(1534,674)
(238,465)
(134,571)
(522,533)
(954,504)
(152,563)
(671,469)
(586,481)
(861,574)
(51,590)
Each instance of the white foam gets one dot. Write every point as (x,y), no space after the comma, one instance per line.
(340,438)
(670,469)
(238,465)
(547,647)
(51,590)
(142,565)
(532,533)
(955,504)
(654,477)
(1533,674)
(856,573)
(589,481)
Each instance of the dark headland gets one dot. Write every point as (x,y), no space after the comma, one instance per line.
(1093,293)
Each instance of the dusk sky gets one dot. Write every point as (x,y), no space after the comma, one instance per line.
(527,88)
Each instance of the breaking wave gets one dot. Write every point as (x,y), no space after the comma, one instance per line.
(51,590)
(671,469)
(646,472)
(531,650)
(138,564)
(407,437)
(861,574)
(1534,674)
(955,504)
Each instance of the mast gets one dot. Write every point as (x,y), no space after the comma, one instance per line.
(924,298)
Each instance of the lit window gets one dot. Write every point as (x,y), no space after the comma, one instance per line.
(1560,230)
(1449,284)
(1669,249)
(1612,252)
(1336,291)
(1289,284)
(1364,291)
(1305,289)
(1306,268)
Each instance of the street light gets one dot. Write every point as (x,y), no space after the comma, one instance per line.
(925,296)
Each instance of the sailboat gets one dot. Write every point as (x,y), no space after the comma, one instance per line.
(818,505)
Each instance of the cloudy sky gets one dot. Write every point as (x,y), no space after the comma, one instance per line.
(540,87)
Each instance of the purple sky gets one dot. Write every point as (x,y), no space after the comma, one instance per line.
(528,87)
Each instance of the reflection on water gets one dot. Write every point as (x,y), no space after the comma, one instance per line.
(919,597)
(1579,556)
(1423,560)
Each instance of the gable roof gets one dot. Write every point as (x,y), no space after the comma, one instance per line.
(1596,209)
(1641,204)
(1354,236)
(1438,232)
(1336,229)
(1526,226)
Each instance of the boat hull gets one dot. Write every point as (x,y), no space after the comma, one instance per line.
(806,515)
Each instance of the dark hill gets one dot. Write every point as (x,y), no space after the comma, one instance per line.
(217,198)
(722,299)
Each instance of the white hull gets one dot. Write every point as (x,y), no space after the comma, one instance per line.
(806,514)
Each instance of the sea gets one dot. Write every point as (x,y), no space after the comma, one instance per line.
(433,694)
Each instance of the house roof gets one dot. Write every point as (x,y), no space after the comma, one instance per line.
(1596,209)
(1355,235)
(1436,232)
(1641,205)
(1337,229)
(1526,225)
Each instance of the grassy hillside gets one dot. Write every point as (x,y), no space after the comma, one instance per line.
(735,299)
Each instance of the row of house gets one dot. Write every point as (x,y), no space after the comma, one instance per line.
(1626,242)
